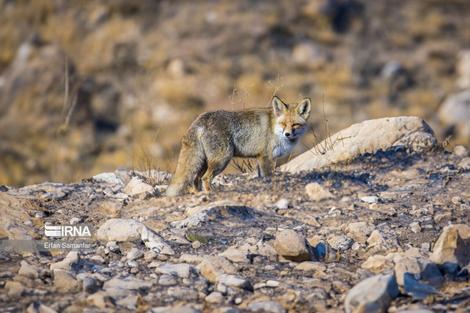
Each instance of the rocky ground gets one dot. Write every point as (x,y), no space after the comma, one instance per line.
(395,221)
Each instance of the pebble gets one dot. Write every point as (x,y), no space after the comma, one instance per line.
(167,280)
(266,307)
(90,285)
(370,199)
(317,193)
(134,254)
(282,204)
(415,227)
(291,245)
(28,270)
(214,298)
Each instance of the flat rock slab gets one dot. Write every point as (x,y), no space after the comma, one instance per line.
(367,137)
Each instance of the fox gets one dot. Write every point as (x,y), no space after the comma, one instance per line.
(214,138)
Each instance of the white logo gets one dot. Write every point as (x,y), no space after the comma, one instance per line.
(67,231)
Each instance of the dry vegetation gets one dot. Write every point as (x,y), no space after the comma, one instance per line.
(118,73)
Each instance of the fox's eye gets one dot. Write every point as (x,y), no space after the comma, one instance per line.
(296,125)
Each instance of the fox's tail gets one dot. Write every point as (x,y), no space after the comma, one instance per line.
(190,163)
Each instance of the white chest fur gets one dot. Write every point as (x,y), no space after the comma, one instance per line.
(282,147)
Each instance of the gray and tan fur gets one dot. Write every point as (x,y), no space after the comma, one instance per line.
(214,138)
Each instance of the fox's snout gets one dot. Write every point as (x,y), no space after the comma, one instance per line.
(291,132)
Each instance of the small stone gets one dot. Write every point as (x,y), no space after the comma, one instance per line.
(291,245)
(236,255)
(70,260)
(167,280)
(214,266)
(317,193)
(425,246)
(266,307)
(456,200)
(134,254)
(373,294)
(108,178)
(65,282)
(28,270)
(377,263)
(460,151)
(98,299)
(282,204)
(181,270)
(137,186)
(340,242)
(127,283)
(464,164)
(415,227)
(75,220)
(196,244)
(150,255)
(90,285)
(14,289)
(309,266)
(190,258)
(376,239)
(214,298)
(259,286)
(112,246)
(272,283)
(370,199)
(359,231)
(235,281)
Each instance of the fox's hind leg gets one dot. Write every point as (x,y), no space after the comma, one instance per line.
(218,152)
(214,168)
(198,180)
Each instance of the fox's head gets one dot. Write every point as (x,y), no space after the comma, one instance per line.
(291,120)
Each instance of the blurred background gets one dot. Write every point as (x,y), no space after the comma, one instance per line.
(92,86)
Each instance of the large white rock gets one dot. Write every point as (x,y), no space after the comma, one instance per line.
(373,294)
(119,229)
(367,137)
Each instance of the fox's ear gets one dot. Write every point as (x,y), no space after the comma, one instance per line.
(303,108)
(279,107)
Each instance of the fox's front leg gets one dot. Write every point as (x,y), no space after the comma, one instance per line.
(265,166)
